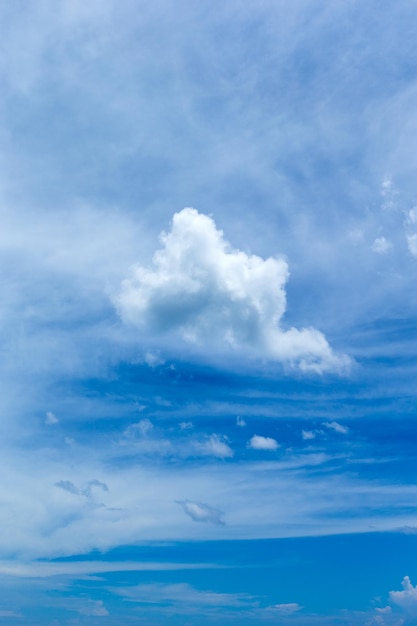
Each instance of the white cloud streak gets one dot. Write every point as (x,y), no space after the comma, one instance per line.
(287,609)
(182,594)
(338,428)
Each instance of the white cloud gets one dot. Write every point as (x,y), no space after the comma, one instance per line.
(385,619)
(338,428)
(389,195)
(287,609)
(257,442)
(200,512)
(140,504)
(217,297)
(185,425)
(381,245)
(308,434)
(240,422)
(153,360)
(215,445)
(411,231)
(51,418)
(181,594)
(143,428)
(406,599)
(46,569)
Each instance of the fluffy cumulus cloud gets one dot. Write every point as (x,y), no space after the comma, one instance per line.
(407,598)
(217,297)
(257,442)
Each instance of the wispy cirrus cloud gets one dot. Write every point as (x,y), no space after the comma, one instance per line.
(183,594)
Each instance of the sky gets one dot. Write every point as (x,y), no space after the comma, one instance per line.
(208,319)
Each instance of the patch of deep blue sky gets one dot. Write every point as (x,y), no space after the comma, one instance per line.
(283,122)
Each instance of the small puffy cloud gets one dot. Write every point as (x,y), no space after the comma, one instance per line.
(139,429)
(338,428)
(308,434)
(217,297)
(153,360)
(51,418)
(185,425)
(407,598)
(257,442)
(381,245)
(200,512)
(215,445)
(240,422)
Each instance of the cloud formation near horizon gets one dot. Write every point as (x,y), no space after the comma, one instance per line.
(406,599)
(215,296)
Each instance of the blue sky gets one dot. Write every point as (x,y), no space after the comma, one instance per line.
(208,313)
